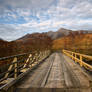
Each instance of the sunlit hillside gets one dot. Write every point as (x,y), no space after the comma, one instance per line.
(80,43)
(25,44)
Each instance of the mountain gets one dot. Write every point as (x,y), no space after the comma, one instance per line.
(60,33)
(53,35)
(65,32)
(3,47)
(35,41)
(32,36)
(79,42)
(25,44)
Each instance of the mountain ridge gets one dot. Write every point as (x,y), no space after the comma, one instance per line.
(53,34)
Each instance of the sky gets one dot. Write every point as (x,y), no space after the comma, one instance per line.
(20,17)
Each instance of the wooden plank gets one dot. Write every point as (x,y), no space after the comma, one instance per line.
(10,67)
(35,78)
(68,82)
(65,76)
(55,79)
(84,79)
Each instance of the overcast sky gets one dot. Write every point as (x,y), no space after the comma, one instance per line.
(19,17)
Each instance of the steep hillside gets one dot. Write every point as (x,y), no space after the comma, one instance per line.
(25,44)
(6,48)
(79,43)
(65,32)
(34,42)
(60,33)
(41,41)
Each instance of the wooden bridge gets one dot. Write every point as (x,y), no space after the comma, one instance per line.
(43,71)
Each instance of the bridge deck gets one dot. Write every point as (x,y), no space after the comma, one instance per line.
(57,73)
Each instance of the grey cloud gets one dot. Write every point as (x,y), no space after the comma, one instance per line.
(71,13)
(80,9)
(9,32)
(80,27)
(29,4)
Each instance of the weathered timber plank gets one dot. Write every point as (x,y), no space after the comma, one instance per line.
(83,78)
(65,76)
(56,79)
(35,78)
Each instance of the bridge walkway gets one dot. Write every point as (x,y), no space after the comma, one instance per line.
(58,73)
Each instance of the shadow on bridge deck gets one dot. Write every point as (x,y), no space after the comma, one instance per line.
(57,74)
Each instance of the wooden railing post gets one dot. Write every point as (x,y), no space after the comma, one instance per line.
(75,57)
(36,57)
(48,52)
(72,55)
(30,55)
(45,53)
(19,65)
(81,60)
(15,71)
(31,61)
(41,56)
(10,68)
(33,58)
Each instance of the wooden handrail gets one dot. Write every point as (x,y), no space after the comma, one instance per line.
(86,56)
(16,67)
(77,57)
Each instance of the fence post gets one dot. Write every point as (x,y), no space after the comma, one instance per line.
(81,60)
(45,53)
(41,55)
(72,55)
(10,67)
(30,55)
(75,57)
(36,57)
(15,71)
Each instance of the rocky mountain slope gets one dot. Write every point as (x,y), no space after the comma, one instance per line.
(80,43)
(64,32)
(25,44)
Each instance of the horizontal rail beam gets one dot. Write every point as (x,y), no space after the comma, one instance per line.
(77,57)
(20,65)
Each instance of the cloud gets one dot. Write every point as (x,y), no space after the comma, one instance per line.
(25,4)
(12,15)
(9,32)
(19,17)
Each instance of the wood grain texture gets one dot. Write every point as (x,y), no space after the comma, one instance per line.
(63,75)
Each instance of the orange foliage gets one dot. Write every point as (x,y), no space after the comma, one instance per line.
(80,42)
(25,44)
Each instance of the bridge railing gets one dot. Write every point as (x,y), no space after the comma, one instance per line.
(77,57)
(17,66)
